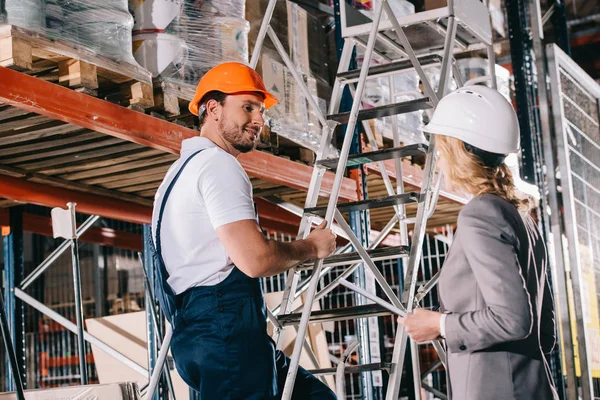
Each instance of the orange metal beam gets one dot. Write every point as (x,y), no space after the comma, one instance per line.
(57,102)
(49,196)
(103,236)
(271,216)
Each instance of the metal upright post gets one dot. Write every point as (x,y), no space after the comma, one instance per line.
(525,85)
(359,222)
(551,223)
(151,331)
(15,310)
(559,20)
(78,302)
(12,364)
(154,325)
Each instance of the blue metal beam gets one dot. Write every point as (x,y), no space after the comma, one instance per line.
(15,311)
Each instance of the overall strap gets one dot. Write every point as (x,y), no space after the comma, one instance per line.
(164,202)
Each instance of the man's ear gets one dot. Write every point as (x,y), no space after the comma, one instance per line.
(213,109)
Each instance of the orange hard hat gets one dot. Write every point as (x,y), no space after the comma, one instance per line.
(230,78)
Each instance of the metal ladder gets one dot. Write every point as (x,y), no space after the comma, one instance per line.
(462,25)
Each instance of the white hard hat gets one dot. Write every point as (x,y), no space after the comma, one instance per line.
(478,116)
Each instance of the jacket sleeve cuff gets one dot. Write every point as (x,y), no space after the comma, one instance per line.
(455,341)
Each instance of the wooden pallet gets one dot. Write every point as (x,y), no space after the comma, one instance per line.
(75,66)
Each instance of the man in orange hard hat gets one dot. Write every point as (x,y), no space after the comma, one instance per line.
(210,253)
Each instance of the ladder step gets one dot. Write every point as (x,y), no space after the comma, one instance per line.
(379,254)
(354,369)
(410,197)
(390,67)
(337,314)
(379,155)
(384,111)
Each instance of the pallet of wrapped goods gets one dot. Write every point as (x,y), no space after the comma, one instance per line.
(179,40)
(77,44)
(301,33)
(74,66)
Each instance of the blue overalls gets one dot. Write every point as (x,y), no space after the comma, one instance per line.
(220,342)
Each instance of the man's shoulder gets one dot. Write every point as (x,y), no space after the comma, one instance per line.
(215,159)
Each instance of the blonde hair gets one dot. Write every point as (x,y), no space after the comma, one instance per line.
(468,172)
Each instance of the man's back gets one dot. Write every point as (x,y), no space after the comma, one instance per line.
(213,190)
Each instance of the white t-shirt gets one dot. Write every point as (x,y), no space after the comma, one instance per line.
(213,190)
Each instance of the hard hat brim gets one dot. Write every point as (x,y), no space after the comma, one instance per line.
(269,101)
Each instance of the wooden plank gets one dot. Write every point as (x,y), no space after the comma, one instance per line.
(148,188)
(119,166)
(37,145)
(23,122)
(169,103)
(104,161)
(133,174)
(8,112)
(138,93)
(79,158)
(12,171)
(77,73)
(53,128)
(75,148)
(15,53)
(156,177)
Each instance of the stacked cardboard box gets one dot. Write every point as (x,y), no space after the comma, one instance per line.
(297,30)
(305,41)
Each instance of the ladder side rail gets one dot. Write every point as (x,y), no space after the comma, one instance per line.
(291,376)
(262,33)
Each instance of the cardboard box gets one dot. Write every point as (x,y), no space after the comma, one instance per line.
(316,338)
(293,110)
(497,16)
(112,391)
(300,33)
(433,4)
(126,333)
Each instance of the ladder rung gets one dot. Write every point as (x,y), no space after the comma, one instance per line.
(379,254)
(337,314)
(410,197)
(384,111)
(354,369)
(379,155)
(390,67)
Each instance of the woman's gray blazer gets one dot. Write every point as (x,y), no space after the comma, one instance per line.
(494,286)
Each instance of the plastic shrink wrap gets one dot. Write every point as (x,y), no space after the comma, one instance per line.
(400,87)
(102,28)
(299,32)
(179,40)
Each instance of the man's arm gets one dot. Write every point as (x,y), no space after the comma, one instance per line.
(257,256)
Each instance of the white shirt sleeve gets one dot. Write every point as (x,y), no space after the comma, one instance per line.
(443,325)
(226,190)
